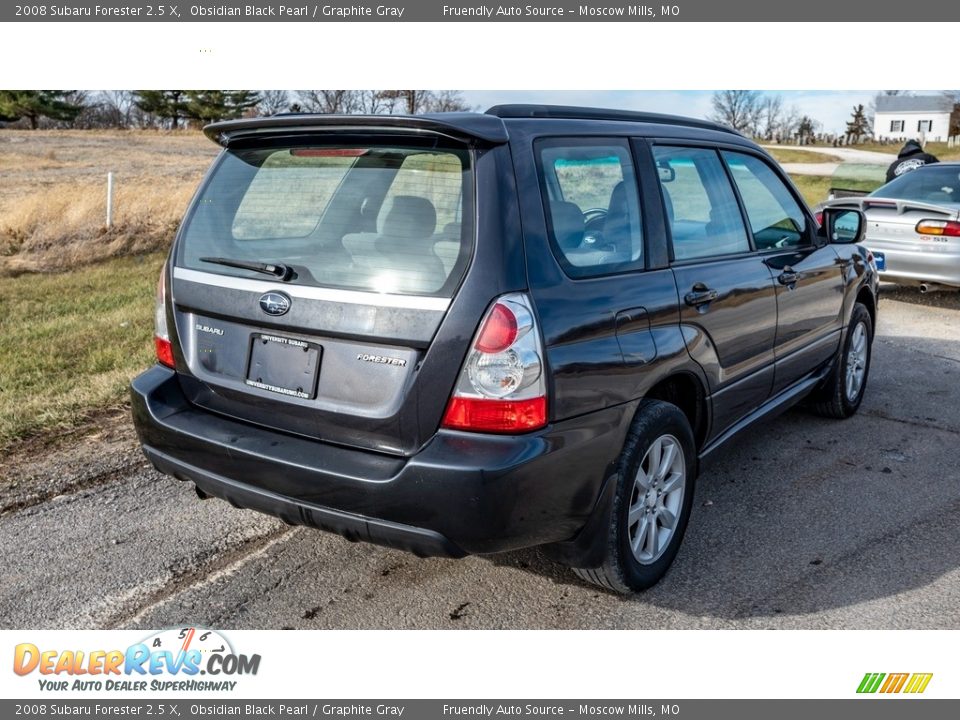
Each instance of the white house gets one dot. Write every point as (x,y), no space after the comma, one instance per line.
(902,117)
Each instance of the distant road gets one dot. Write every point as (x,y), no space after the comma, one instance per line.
(847,155)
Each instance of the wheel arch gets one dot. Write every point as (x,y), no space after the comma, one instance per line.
(685,390)
(866,298)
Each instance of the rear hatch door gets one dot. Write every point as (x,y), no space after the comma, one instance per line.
(310,279)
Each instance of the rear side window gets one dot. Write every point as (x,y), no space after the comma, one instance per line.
(776,219)
(703,212)
(592,205)
(380,219)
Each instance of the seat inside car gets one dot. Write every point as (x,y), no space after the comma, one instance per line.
(402,248)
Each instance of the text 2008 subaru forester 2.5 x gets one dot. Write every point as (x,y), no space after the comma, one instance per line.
(469,333)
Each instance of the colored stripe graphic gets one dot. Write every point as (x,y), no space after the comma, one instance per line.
(918,682)
(870,682)
(894,683)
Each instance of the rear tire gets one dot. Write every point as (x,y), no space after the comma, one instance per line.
(841,395)
(651,507)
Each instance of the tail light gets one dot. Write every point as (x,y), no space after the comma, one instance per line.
(819,218)
(501,388)
(161,334)
(950,228)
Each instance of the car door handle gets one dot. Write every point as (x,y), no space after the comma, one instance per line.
(788,277)
(700,295)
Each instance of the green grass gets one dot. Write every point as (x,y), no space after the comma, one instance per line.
(789,155)
(815,187)
(70,342)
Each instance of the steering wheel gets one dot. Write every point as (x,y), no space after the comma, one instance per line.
(593,221)
(594,216)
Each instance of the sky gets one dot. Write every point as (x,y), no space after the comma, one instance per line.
(832,108)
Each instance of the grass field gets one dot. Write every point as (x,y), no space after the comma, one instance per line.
(53,194)
(70,342)
(816,187)
(788,155)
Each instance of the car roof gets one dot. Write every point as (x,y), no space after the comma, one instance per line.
(490,127)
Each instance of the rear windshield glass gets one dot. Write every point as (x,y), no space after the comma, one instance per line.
(931,184)
(381,219)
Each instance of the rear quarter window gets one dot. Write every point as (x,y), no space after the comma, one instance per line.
(592,207)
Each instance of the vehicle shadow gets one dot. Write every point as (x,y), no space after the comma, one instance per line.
(805,514)
(948,298)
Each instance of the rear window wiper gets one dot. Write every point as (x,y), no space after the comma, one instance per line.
(278,270)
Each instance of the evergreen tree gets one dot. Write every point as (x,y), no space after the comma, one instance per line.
(859,125)
(213,105)
(806,129)
(36,104)
(165,104)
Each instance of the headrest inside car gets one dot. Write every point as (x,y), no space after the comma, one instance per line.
(408,217)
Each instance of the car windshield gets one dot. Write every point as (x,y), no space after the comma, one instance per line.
(380,219)
(937,184)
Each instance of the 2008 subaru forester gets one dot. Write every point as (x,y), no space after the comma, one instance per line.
(468,333)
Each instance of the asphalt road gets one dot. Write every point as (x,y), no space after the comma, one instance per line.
(807,523)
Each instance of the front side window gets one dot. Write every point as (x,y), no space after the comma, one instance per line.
(592,205)
(776,219)
(376,218)
(702,210)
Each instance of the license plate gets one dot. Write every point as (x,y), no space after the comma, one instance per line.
(284,365)
(880,260)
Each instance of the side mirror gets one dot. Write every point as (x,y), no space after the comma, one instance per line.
(842,226)
(666,172)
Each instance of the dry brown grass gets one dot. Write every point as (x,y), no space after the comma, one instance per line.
(53,194)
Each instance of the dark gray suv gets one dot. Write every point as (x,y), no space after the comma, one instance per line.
(469,333)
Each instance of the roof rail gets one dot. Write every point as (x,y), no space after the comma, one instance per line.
(570,112)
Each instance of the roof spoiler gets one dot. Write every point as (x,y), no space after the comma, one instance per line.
(901,206)
(469,127)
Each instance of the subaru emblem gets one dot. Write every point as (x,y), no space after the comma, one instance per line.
(275,303)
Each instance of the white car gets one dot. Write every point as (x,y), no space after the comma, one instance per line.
(913,226)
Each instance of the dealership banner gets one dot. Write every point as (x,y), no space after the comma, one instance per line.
(563,11)
(203,671)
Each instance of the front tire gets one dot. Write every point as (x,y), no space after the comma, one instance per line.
(651,507)
(843,392)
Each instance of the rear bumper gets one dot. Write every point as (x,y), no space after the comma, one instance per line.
(913,265)
(462,493)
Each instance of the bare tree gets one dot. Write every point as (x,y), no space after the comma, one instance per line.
(273,102)
(335,102)
(738,109)
(894,93)
(409,102)
(789,123)
(448,101)
(119,105)
(771,116)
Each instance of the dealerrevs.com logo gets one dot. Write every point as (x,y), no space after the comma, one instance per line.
(910,683)
(180,659)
